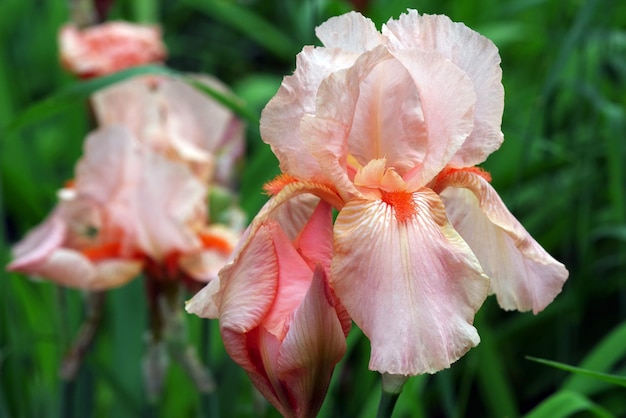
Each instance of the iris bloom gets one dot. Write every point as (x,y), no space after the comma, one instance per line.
(387,127)
(109,47)
(128,209)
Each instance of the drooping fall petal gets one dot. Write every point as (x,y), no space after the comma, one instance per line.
(523,275)
(413,285)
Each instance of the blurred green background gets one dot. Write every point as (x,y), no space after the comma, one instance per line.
(560,170)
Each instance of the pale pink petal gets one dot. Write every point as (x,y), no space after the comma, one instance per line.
(412,286)
(315,240)
(294,279)
(204,265)
(133,104)
(109,47)
(447,99)
(70,268)
(110,273)
(474,54)
(312,347)
(38,244)
(523,275)
(326,130)
(351,32)
(416,122)
(246,286)
(168,201)
(388,119)
(280,119)
(218,244)
(109,165)
(191,116)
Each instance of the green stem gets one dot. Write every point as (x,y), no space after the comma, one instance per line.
(386,405)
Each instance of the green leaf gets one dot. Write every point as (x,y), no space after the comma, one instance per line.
(82,90)
(609,378)
(76,91)
(564,404)
(250,24)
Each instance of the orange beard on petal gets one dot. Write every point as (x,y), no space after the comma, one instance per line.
(401,202)
(274,186)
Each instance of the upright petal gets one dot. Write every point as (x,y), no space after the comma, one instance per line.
(280,119)
(351,32)
(474,54)
(412,285)
(167,204)
(523,275)
(110,164)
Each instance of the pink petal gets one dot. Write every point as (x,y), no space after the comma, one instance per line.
(191,116)
(412,286)
(524,276)
(447,99)
(474,54)
(314,242)
(133,104)
(218,244)
(312,347)
(109,164)
(70,268)
(350,32)
(168,201)
(38,244)
(247,287)
(388,120)
(295,98)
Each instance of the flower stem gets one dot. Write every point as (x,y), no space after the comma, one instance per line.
(387,403)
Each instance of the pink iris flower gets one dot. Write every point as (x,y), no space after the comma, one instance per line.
(387,127)
(110,47)
(279,320)
(129,209)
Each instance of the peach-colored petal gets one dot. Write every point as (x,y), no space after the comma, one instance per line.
(280,119)
(312,347)
(170,116)
(133,104)
(167,203)
(314,242)
(474,54)
(218,243)
(523,275)
(393,108)
(447,99)
(109,164)
(412,286)
(38,244)
(70,268)
(351,32)
(109,47)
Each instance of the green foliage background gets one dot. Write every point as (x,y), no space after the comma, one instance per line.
(560,170)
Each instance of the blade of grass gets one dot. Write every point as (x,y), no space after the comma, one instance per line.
(564,404)
(605,354)
(609,378)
